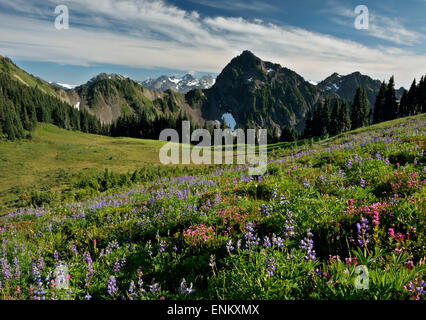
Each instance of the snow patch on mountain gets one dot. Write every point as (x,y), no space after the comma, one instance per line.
(64,85)
(182,85)
(174,80)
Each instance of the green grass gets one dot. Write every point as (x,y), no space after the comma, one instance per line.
(28,79)
(357,199)
(54,157)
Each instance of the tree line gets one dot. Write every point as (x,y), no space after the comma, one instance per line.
(334,117)
(21,107)
(149,127)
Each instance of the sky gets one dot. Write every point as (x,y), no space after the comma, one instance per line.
(147,38)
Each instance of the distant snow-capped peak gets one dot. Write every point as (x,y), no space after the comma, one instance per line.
(182,85)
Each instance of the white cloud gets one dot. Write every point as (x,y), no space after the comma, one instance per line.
(380,26)
(151,34)
(236,5)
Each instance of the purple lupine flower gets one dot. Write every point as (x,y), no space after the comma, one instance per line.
(162,246)
(363,236)
(56,258)
(117,266)
(90,271)
(149,248)
(6,270)
(251,239)
(289,225)
(131,290)
(140,281)
(17,274)
(229,246)
(275,192)
(283,200)
(153,288)
(40,263)
(73,248)
(212,262)
(277,241)
(183,288)
(270,267)
(216,199)
(111,246)
(308,244)
(266,242)
(265,210)
(112,286)
(15,250)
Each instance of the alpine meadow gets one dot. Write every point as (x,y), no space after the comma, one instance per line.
(90,211)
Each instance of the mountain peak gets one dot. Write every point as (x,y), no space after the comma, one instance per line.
(183,85)
(188,77)
(105,76)
(248,53)
(246,58)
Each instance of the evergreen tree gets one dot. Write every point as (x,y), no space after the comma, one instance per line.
(308,133)
(403,105)
(344,117)
(391,111)
(412,97)
(324,121)
(335,125)
(316,128)
(379,106)
(288,134)
(360,111)
(422,95)
(320,122)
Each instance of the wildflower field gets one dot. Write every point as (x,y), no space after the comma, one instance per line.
(298,232)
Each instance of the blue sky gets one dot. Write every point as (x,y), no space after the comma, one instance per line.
(148,38)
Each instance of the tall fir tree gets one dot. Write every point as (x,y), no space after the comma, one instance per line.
(288,134)
(403,105)
(316,116)
(308,133)
(324,119)
(360,111)
(344,118)
(335,125)
(379,105)
(391,104)
(422,95)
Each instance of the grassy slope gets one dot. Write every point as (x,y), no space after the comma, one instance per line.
(55,155)
(327,192)
(16,73)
